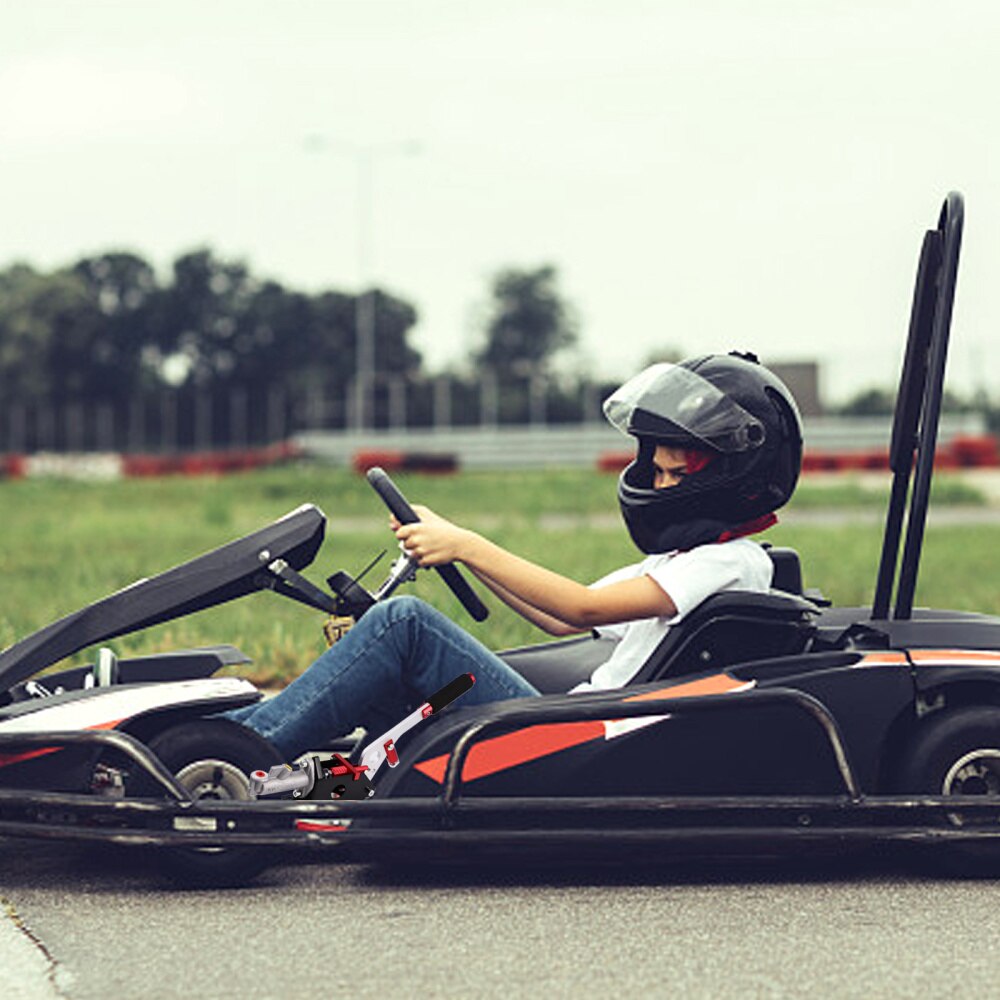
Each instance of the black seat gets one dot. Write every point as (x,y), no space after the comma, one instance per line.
(733,627)
(556,667)
(787,570)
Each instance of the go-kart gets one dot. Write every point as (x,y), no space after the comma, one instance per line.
(763,721)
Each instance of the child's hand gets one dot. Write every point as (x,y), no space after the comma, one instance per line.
(432,540)
(425,514)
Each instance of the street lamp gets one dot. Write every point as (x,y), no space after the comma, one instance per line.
(365,157)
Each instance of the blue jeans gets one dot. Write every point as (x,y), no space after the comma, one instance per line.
(392,660)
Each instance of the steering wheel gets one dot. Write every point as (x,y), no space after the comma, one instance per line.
(400,508)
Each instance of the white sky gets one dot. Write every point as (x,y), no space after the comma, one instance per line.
(705,174)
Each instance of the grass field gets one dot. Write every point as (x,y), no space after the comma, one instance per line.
(69,543)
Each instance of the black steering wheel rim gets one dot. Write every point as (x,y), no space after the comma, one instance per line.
(400,508)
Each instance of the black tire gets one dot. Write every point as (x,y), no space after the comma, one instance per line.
(958,753)
(211,758)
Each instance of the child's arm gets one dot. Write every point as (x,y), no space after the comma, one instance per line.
(545,622)
(433,541)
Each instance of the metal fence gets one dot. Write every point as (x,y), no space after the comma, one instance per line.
(484,420)
(188,419)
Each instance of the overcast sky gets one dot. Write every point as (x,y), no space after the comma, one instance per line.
(705,174)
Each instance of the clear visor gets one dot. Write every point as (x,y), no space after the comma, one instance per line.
(683,401)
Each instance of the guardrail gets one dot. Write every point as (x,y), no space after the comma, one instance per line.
(831,445)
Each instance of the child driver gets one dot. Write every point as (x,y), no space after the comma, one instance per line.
(719,450)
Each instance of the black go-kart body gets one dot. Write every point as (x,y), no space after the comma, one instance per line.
(762,721)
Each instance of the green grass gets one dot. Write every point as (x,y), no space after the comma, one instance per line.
(68,543)
(850,491)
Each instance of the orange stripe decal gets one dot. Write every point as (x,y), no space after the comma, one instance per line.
(716,684)
(962,656)
(876,659)
(511,749)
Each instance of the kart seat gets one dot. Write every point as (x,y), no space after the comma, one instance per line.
(732,627)
(556,667)
(787,569)
(727,628)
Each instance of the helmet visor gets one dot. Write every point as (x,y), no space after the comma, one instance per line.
(669,401)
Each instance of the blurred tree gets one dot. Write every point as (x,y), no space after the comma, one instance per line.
(394,319)
(23,334)
(868,403)
(106,330)
(200,324)
(122,287)
(49,326)
(332,336)
(218,325)
(527,324)
(877,402)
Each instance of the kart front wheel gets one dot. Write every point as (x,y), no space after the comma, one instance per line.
(211,759)
(958,753)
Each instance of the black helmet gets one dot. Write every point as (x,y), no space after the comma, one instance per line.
(728,405)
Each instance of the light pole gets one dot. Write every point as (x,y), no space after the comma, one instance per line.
(365,157)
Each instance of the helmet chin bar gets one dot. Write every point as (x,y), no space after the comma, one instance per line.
(681,536)
(668,519)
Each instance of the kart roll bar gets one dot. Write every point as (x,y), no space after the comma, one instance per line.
(918,408)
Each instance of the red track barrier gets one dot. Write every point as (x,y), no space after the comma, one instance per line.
(432,463)
(967,452)
(211,463)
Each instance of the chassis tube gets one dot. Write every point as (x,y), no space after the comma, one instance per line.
(813,707)
(128,745)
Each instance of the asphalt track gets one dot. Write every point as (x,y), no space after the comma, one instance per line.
(96,922)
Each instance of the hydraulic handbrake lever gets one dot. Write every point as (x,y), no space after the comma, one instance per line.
(384,747)
(338,778)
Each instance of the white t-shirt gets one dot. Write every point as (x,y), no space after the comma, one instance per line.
(687,578)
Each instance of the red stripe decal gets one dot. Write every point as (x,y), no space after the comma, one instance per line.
(309,824)
(18,758)
(511,749)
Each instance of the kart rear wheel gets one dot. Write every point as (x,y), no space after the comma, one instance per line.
(211,758)
(958,753)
